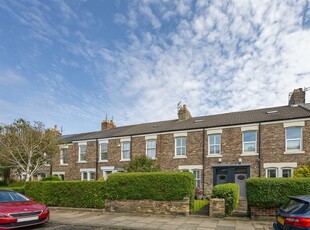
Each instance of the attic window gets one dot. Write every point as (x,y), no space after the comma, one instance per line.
(198,121)
(272,112)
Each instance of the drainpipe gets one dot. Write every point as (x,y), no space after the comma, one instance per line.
(203,161)
(131,148)
(97,158)
(259,151)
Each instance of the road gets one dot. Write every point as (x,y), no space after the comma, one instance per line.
(52,226)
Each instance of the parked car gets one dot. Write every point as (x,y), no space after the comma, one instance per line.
(295,215)
(17,210)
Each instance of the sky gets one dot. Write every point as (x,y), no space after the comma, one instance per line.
(70,63)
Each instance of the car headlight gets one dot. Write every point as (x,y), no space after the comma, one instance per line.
(46,210)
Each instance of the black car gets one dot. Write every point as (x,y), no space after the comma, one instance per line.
(295,215)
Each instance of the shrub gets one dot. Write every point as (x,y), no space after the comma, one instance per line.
(51,178)
(303,171)
(230,192)
(142,164)
(2,183)
(17,184)
(154,186)
(274,192)
(77,194)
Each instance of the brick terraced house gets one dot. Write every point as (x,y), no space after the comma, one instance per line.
(230,147)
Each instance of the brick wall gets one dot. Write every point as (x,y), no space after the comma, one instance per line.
(148,206)
(260,213)
(272,151)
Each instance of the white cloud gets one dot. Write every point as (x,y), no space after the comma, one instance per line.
(214,56)
(10,78)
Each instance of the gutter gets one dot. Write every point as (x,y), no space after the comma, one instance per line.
(97,158)
(203,161)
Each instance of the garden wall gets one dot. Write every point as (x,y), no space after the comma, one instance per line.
(148,206)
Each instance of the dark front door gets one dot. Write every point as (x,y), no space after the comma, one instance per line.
(232,174)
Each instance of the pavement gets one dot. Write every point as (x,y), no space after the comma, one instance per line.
(105,220)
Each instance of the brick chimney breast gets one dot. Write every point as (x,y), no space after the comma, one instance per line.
(107,124)
(298,96)
(183,113)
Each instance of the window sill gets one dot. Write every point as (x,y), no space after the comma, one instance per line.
(179,157)
(249,154)
(63,164)
(294,152)
(214,155)
(125,160)
(82,162)
(102,161)
(152,158)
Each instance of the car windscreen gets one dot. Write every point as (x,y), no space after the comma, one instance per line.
(295,206)
(8,196)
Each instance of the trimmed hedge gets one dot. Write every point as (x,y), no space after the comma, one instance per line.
(274,192)
(77,194)
(51,178)
(163,186)
(230,192)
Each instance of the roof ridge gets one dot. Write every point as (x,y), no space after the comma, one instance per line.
(305,106)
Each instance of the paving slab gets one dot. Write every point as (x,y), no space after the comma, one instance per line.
(103,220)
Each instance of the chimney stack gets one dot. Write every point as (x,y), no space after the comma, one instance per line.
(107,124)
(298,96)
(183,113)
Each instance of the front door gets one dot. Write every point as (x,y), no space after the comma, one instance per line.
(240,180)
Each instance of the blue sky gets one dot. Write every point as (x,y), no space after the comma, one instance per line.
(72,62)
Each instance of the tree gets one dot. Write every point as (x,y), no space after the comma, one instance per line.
(142,164)
(27,147)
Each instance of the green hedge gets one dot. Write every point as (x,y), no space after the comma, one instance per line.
(77,194)
(154,185)
(274,192)
(230,192)
(51,178)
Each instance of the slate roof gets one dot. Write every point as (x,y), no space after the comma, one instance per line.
(211,121)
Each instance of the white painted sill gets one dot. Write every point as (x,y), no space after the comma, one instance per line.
(179,157)
(249,154)
(294,152)
(82,162)
(214,155)
(102,161)
(63,164)
(125,160)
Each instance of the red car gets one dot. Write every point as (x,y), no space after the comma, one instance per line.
(17,210)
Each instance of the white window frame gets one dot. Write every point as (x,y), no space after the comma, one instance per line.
(153,149)
(61,155)
(247,153)
(291,169)
(80,145)
(123,142)
(106,169)
(272,168)
(209,144)
(100,150)
(300,150)
(88,172)
(280,167)
(176,155)
(192,168)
